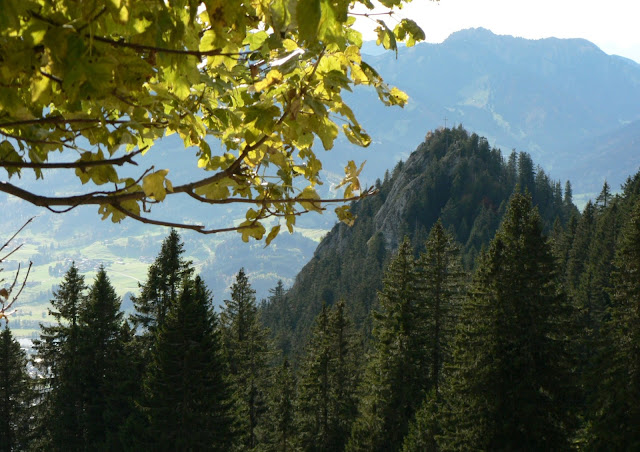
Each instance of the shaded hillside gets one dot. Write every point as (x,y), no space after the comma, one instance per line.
(452,175)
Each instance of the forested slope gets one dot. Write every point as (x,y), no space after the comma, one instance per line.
(452,175)
(533,346)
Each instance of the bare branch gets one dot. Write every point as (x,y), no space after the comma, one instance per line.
(193,227)
(2,259)
(9,300)
(5,308)
(14,235)
(51,76)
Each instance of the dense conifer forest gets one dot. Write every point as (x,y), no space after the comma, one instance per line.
(493,315)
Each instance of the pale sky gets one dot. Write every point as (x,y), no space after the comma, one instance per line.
(613,25)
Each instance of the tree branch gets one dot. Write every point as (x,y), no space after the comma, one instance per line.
(197,53)
(62,120)
(266,201)
(14,236)
(79,164)
(193,227)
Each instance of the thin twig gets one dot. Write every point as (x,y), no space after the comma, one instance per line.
(14,235)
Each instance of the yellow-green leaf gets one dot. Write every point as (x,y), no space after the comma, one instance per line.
(308,13)
(308,195)
(344,214)
(153,185)
(272,235)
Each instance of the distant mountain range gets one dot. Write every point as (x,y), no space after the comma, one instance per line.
(575,109)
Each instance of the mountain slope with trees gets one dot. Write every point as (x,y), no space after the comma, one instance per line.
(454,176)
(533,346)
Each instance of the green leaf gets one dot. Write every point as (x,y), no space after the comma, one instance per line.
(272,235)
(255,40)
(386,37)
(308,13)
(215,190)
(250,229)
(409,31)
(9,154)
(351,179)
(356,135)
(344,214)
(153,185)
(310,194)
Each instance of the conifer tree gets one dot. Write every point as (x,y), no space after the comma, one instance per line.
(281,417)
(526,174)
(161,287)
(568,195)
(616,410)
(604,198)
(441,286)
(104,365)
(58,350)
(580,248)
(248,353)
(276,312)
(164,278)
(398,370)
(510,378)
(327,402)
(187,397)
(425,429)
(16,395)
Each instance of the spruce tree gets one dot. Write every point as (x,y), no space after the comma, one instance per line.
(616,409)
(187,396)
(313,396)
(604,198)
(16,395)
(104,366)
(398,370)
(441,287)
(568,195)
(161,287)
(281,431)
(276,312)
(510,377)
(579,252)
(249,353)
(58,349)
(327,401)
